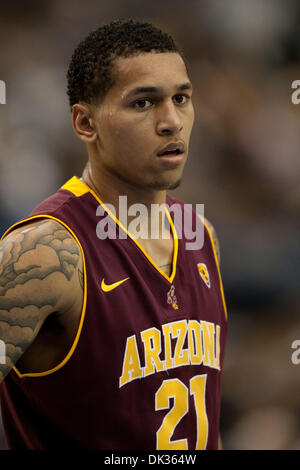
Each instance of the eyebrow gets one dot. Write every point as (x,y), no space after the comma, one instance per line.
(153,89)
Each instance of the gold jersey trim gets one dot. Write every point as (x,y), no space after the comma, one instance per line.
(82,315)
(218,268)
(78,187)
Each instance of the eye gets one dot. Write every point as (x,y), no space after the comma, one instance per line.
(143,103)
(181,99)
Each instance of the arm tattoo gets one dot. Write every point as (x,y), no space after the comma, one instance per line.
(80,277)
(37,258)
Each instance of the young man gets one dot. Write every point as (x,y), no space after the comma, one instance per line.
(114,343)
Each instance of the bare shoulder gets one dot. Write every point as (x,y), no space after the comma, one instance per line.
(214,237)
(38,249)
(46,232)
(40,268)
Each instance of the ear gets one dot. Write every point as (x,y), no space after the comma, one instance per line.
(83,123)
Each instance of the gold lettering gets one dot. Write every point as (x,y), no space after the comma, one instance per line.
(179,330)
(152,346)
(208,335)
(131,363)
(195,348)
(168,349)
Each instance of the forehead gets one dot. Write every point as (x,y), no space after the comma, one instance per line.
(164,70)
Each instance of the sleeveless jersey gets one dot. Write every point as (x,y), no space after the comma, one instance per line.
(144,371)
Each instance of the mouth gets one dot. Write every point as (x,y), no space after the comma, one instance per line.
(171,160)
(171,153)
(173,149)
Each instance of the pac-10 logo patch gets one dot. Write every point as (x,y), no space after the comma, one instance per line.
(172,299)
(204,273)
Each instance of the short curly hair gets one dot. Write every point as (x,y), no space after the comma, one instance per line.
(90,73)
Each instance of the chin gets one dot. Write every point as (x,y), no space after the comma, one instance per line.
(165,185)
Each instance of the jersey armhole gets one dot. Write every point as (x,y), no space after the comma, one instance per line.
(83,310)
(218,267)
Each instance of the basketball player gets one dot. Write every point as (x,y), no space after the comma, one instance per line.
(114,343)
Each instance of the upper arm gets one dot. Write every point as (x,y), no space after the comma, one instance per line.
(40,266)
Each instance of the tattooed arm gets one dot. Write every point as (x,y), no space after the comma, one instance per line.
(40,267)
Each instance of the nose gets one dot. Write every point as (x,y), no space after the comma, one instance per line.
(169,120)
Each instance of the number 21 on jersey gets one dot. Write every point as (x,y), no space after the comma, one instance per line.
(174,388)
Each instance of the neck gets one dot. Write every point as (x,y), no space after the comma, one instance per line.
(108,187)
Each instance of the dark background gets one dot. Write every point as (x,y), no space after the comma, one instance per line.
(244,165)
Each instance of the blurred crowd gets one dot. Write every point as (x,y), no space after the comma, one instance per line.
(244,165)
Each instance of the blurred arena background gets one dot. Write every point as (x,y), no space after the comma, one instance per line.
(244,165)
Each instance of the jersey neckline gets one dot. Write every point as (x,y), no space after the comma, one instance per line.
(79,187)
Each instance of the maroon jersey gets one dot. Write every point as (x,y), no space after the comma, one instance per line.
(144,371)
